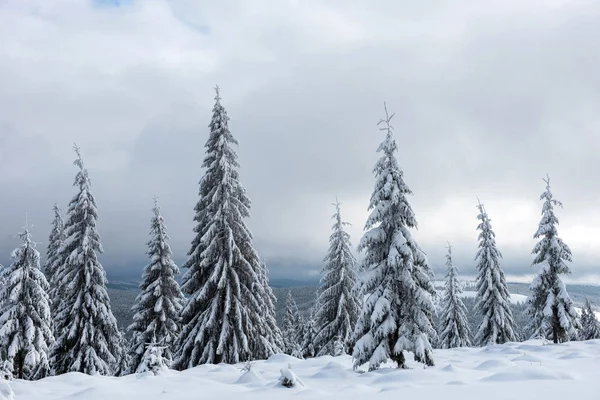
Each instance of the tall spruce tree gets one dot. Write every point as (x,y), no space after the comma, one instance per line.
(493,298)
(159,304)
(87,334)
(549,306)
(454,327)
(590,327)
(54,259)
(338,303)
(25,319)
(397,279)
(224,313)
(292,327)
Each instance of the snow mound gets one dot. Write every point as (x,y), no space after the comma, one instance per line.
(450,368)
(251,377)
(528,374)
(282,359)
(573,355)
(528,358)
(465,374)
(6,392)
(532,348)
(497,363)
(289,379)
(332,370)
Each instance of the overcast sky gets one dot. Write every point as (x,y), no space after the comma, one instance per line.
(489,97)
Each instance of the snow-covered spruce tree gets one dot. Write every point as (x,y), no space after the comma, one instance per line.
(454,326)
(397,279)
(153,360)
(158,306)
(291,325)
(54,259)
(309,333)
(549,306)
(87,338)
(590,327)
(271,337)
(222,319)
(338,303)
(493,298)
(121,367)
(25,319)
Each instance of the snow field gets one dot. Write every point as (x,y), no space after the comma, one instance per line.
(529,370)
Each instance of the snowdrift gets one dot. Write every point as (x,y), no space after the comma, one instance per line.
(530,370)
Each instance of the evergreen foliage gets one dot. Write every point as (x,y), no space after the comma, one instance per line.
(122,367)
(549,306)
(309,333)
(493,298)
(590,327)
(224,313)
(54,260)
(292,324)
(25,319)
(454,326)
(87,334)
(152,359)
(158,306)
(397,279)
(271,340)
(338,302)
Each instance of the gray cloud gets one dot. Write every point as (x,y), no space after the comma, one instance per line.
(488,98)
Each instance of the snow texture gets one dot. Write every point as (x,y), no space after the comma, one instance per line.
(337,298)
(549,306)
(87,337)
(6,392)
(226,308)
(460,374)
(25,319)
(158,306)
(493,298)
(396,280)
(454,329)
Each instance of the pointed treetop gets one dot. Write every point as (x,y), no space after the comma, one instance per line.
(388,118)
(217,91)
(388,146)
(480,206)
(79,161)
(156,205)
(548,195)
(338,213)
(26,234)
(449,255)
(547,181)
(337,203)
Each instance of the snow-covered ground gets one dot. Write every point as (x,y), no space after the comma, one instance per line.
(529,370)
